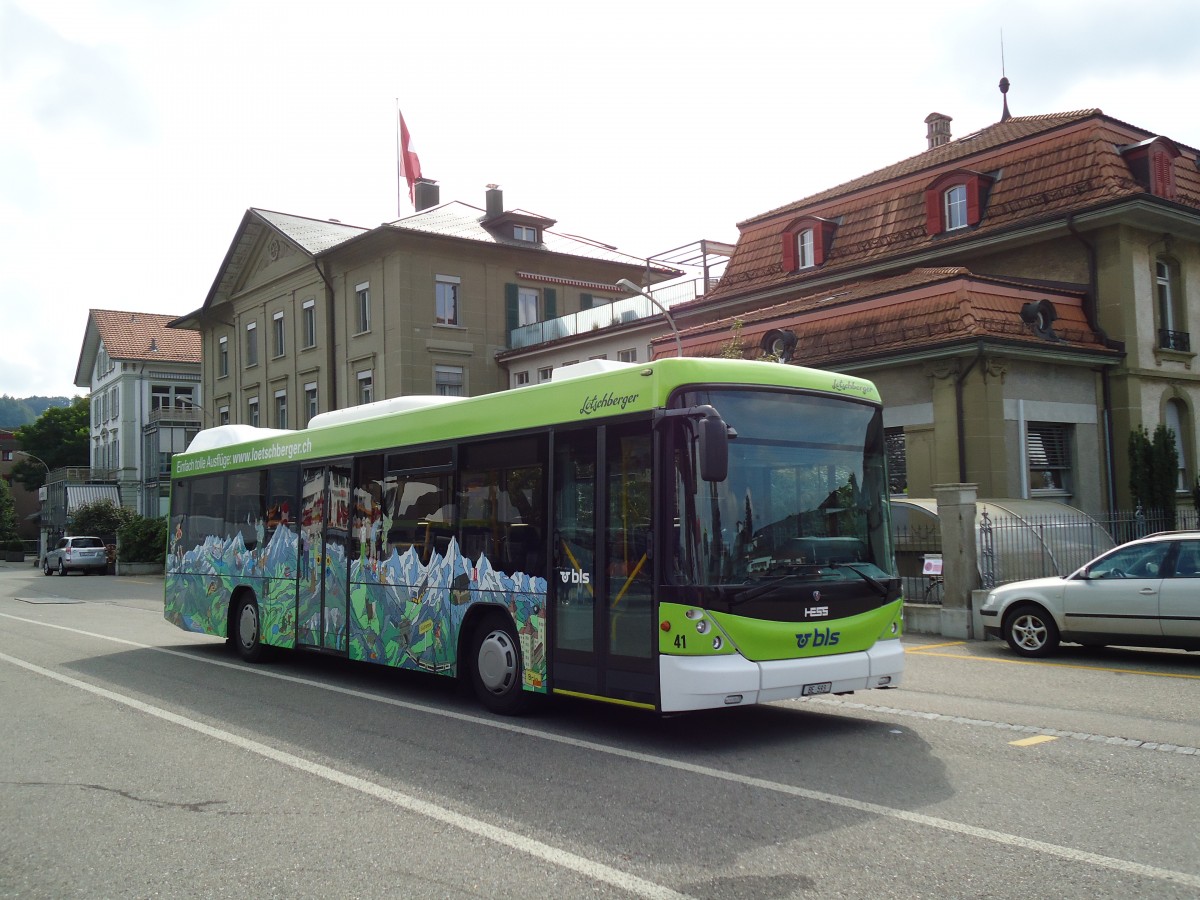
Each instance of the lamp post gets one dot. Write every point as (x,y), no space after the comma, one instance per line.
(42,524)
(41,462)
(628,285)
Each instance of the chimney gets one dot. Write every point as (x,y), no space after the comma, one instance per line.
(938,132)
(426,194)
(495,201)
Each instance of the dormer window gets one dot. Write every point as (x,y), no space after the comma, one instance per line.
(806,243)
(956,200)
(525,233)
(1152,163)
(955,208)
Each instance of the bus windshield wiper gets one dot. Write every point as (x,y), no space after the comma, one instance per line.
(763,588)
(871,580)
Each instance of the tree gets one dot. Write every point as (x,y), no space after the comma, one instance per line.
(8,516)
(1154,473)
(59,437)
(102,518)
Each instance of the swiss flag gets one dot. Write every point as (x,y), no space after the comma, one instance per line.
(410,164)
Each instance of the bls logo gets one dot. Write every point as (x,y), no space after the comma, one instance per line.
(574,576)
(819,638)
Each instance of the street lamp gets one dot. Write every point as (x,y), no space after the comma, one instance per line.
(36,460)
(628,285)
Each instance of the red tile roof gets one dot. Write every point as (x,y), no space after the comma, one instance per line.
(1043,167)
(921,310)
(145,336)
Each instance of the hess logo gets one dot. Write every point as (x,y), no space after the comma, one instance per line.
(822,637)
(571,576)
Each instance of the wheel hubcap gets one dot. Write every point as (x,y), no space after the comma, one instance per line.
(248,625)
(497,662)
(1029,632)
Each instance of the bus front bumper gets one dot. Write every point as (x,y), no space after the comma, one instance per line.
(711,682)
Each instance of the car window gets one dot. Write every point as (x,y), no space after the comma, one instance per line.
(1187,564)
(88,542)
(61,543)
(1132,561)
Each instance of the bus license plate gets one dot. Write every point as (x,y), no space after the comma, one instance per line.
(821,687)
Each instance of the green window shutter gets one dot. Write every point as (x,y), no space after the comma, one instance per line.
(510,310)
(551,303)
(585,301)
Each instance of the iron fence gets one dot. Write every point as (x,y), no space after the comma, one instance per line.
(1010,548)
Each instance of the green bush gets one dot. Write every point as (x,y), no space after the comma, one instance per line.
(142,540)
(101,518)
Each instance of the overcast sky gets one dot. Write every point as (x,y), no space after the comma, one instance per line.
(137,132)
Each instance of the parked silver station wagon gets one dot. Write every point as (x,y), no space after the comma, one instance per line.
(87,554)
(1145,593)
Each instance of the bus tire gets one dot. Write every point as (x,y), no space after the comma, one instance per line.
(246,629)
(495,663)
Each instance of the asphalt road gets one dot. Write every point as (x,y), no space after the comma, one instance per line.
(140,761)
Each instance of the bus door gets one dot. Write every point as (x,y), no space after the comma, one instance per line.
(602,574)
(322,597)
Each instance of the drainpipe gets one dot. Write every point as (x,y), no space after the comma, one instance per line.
(1091,310)
(958,408)
(330,331)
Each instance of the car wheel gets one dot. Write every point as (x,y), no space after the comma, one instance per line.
(247,630)
(496,670)
(1030,631)
(46,567)
(62,570)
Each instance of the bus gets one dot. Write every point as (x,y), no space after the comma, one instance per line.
(680,535)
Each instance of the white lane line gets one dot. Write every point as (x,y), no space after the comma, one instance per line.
(903,815)
(553,855)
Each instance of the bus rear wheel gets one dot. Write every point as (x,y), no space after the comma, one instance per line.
(495,661)
(246,633)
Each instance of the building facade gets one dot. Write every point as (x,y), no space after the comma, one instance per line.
(146,402)
(307,316)
(1023,297)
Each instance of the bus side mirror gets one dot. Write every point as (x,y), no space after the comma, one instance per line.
(714,447)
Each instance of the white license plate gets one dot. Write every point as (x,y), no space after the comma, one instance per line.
(821,687)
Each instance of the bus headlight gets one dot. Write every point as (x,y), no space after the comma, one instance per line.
(702,627)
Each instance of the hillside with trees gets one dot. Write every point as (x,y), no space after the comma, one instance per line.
(18,411)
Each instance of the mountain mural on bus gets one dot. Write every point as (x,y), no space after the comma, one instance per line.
(403,612)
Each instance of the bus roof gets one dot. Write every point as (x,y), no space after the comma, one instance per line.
(596,392)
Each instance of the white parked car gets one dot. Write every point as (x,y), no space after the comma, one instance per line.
(87,554)
(1142,594)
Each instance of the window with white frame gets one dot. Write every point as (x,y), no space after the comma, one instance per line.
(116,403)
(545,373)
(1048,451)
(956,207)
(449,381)
(277,336)
(805,258)
(527,306)
(362,295)
(309,323)
(252,411)
(446,300)
(223,415)
(281,412)
(366,386)
(525,233)
(1174,416)
(1172,331)
(252,344)
(222,357)
(310,400)
(629,355)
(521,378)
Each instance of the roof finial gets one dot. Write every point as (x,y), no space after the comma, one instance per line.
(1005,115)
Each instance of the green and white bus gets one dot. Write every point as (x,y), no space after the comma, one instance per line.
(681,535)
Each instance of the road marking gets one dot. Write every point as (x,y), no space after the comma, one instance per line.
(922,647)
(1031,741)
(553,855)
(1054,665)
(875,809)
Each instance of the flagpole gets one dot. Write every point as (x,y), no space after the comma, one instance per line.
(399,173)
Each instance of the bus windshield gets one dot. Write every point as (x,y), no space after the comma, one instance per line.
(805,498)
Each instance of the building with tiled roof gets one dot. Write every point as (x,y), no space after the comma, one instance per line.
(306,316)
(1023,297)
(144,379)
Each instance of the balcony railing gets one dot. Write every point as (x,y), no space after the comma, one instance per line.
(171,414)
(631,309)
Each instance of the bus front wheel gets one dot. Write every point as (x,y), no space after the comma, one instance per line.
(247,629)
(495,660)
